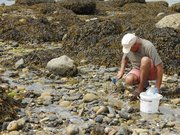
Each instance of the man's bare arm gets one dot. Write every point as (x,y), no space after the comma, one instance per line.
(159,75)
(124,62)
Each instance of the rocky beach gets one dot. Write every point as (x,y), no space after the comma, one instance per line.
(58,60)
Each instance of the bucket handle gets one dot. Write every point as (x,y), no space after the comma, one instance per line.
(145,100)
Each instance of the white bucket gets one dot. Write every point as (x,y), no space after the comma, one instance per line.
(149,104)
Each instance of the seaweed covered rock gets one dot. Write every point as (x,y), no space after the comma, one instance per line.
(89,33)
(32,2)
(84,7)
(6,107)
(172,21)
(123,2)
(39,23)
(97,41)
(176,7)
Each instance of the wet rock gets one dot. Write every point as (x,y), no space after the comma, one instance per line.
(32,2)
(114,122)
(89,97)
(11,73)
(19,63)
(113,69)
(4,125)
(130,109)
(26,101)
(72,130)
(172,21)
(122,131)
(125,115)
(63,66)
(111,110)
(176,7)
(99,118)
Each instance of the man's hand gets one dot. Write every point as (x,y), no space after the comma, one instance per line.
(120,75)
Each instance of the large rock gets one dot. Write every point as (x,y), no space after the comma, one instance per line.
(32,2)
(176,7)
(79,6)
(172,21)
(63,66)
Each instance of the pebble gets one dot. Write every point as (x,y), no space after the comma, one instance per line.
(4,125)
(45,98)
(14,133)
(99,118)
(19,63)
(15,44)
(114,122)
(89,97)
(115,102)
(65,103)
(113,69)
(102,109)
(72,130)
(107,119)
(13,125)
(122,131)
(124,115)
(96,108)
(175,101)
(169,124)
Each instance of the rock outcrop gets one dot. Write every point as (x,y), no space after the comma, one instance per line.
(171,21)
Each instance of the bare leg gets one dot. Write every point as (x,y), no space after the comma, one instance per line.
(144,72)
(131,79)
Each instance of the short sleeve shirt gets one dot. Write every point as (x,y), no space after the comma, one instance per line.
(147,49)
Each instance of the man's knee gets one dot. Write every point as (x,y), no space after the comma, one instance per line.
(130,80)
(146,61)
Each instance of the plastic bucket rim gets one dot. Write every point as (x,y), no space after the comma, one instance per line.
(146,97)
